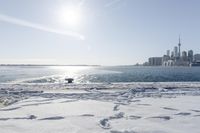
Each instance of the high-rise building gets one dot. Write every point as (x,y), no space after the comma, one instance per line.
(184,56)
(179,47)
(172,54)
(155,61)
(165,58)
(197,58)
(190,56)
(168,52)
(176,51)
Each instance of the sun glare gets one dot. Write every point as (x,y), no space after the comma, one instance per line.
(70,16)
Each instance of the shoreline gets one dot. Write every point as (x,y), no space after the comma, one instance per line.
(108,85)
(12,93)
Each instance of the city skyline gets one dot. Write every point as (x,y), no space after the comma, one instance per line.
(175,57)
(94,32)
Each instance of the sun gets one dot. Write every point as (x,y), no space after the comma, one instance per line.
(70,15)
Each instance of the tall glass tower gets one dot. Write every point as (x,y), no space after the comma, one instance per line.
(179,47)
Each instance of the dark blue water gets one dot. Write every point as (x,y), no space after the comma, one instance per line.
(84,74)
(149,74)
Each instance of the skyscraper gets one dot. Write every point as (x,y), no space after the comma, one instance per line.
(190,56)
(184,56)
(168,52)
(197,58)
(176,52)
(179,47)
(172,54)
(155,61)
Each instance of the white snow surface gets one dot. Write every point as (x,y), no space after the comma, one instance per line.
(144,108)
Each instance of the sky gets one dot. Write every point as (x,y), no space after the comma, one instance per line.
(95,32)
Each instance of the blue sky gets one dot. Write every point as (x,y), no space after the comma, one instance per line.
(104,32)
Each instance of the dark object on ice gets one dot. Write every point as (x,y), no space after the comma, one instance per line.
(69,80)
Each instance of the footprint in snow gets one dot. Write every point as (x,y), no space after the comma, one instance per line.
(67,101)
(194,110)
(135,100)
(88,115)
(134,117)
(166,118)
(105,124)
(31,117)
(116,107)
(4,119)
(144,104)
(168,108)
(53,118)
(183,113)
(117,116)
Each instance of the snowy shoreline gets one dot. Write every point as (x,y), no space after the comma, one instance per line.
(107,108)
(11,93)
(119,85)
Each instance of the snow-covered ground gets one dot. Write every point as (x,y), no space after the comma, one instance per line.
(144,108)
